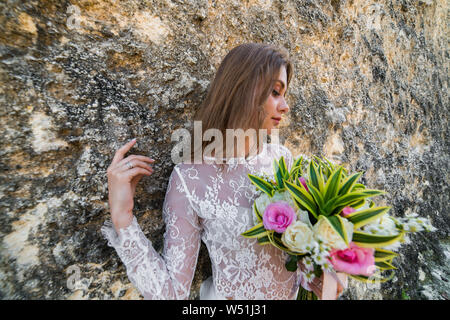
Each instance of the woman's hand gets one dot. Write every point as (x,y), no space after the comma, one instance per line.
(123,177)
(317,285)
(318,288)
(344,279)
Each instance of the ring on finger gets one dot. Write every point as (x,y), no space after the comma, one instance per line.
(129,165)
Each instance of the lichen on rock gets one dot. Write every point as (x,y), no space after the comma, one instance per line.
(80,78)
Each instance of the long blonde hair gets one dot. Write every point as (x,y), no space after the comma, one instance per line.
(242,84)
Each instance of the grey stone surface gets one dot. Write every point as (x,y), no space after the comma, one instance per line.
(370,90)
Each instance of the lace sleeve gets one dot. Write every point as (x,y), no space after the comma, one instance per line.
(168,276)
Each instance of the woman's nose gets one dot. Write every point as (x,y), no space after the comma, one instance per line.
(283,106)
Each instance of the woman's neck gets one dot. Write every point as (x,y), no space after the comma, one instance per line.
(243,150)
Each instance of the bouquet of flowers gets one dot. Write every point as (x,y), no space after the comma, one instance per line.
(321,215)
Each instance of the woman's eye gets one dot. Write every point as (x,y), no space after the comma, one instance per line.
(275,92)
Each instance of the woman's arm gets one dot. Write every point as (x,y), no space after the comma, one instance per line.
(166,276)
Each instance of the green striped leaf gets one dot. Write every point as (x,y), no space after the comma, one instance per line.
(297,181)
(313,174)
(383,265)
(318,160)
(264,240)
(275,239)
(297,166)
(357,186)
(367,240)
(358,204)
(321,182)
(338,225)
(294,170)
(344,173)
(302,196)
(357,196)
(293,176)
(363,217)
(316,195)
(354,205)
(262,185)
(256,232)
(330,205)
(384,255)
(324,169)
(332,186)
(319,174)
(331,165)
(292,263)
(257,213)
(299,205)
(278,173)
(311,216)
(283,167)
(349,183)
(374,278)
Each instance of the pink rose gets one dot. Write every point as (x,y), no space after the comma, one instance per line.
(278,216)
(346,211)
(303,182)
(354,260)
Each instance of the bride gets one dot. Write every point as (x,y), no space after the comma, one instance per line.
(211,200)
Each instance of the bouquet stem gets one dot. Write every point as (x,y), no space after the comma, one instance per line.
(304,294)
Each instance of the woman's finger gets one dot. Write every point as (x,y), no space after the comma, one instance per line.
(317,291)
(136,179)
(341,288)
(120,153)
(316,282)
(314,285)
(130,174)
(133,157)
(136,164)
(344,279)
(339,292)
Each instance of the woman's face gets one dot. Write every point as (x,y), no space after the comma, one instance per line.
(276,105)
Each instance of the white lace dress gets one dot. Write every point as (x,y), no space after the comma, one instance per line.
(204,204)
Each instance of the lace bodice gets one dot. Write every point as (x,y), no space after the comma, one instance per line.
(204,204)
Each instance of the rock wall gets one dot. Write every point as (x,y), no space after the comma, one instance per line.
(80,78)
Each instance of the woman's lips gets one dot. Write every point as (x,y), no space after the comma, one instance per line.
(277,120)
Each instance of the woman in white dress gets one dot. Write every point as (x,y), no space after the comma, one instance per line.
(211,201)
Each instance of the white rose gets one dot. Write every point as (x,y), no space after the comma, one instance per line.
(298,237)
(325,232)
